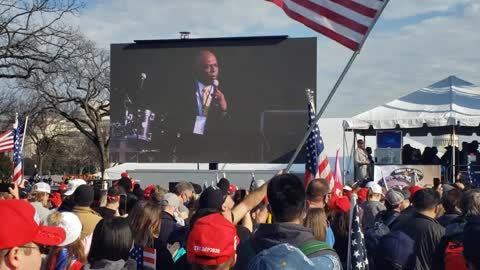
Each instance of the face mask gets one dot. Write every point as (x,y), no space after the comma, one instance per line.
(187,201)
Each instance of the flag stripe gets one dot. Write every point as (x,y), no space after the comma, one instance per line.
(6,141)
(351,44)
(149,250)
(6,134)
(324,22)
(357,19)
(148,260)
(332,15)
(17,153)
(357,7)
(6,147)
(373,4)
(323,166)
(345,21)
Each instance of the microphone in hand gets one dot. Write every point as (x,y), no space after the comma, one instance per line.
(219,96)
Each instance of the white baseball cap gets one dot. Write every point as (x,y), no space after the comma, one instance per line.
(42,187)
(70,223)
(376,188)
(73,185)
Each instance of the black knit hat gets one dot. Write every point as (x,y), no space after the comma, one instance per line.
(224,184)
(212,198)
(83,195)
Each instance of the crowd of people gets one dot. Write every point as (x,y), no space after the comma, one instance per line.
(276,224)
(467,160)
(468,154)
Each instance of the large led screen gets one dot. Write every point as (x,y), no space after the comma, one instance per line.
(227,100)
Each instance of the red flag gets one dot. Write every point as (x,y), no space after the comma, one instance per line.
(346,21)
(337,182)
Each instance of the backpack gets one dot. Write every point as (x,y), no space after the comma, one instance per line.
(374,234)
(395,250)
(453,257)
(288,257)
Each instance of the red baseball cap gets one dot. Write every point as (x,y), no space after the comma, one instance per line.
(232,189)
(413,190)
(212,241)
(124,174)
(147,193)
(362,194)
(18,226)
(341,204)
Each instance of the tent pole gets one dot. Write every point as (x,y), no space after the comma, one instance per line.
(343,156)
(354,150)
(453,155)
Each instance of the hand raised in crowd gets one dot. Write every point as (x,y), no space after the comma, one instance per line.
(14,191)
(220,97)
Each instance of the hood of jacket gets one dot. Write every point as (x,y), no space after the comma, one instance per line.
(269,235)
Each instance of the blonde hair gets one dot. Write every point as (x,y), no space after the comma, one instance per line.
(316,220)
(37,196)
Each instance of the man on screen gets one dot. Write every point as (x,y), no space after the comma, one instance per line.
(201,115)
(211,102)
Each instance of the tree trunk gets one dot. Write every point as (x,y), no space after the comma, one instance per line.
(103,156)
(40,164)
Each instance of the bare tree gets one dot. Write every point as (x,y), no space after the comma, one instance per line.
(44,130)
(7,106)
(33,36)
(79,92)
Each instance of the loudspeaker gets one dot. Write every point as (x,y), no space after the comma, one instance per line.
(213,166)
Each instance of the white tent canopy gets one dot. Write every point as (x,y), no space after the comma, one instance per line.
(435,109)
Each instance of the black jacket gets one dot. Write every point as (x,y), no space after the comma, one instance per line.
(269,235)
(169,224)
(388,217)
(426,232)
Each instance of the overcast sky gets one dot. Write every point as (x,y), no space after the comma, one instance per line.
(415,43)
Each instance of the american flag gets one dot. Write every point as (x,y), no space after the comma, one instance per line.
(346,21)
(145,257)
(17,153)
(317,165)
(358,251)
(6,141)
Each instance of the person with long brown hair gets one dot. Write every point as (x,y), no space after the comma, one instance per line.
(70,254)
(145,221)
(316,220)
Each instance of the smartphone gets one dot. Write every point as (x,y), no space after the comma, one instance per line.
(5,184)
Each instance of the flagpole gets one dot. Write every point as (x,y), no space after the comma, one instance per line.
(24,131)
(384,181)
(334,89)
